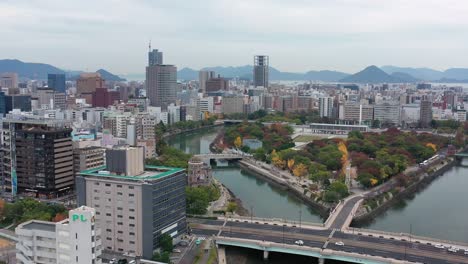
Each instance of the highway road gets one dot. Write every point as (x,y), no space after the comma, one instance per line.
(357,243)
(345,212)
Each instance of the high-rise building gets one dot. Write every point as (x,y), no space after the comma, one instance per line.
(261,70)
(358,112)
(425,113)
(326,106)
(216,84)
(17,101)
(102,97)
(161,85)
(38,157)
(233,104)
(87,83)
(203,77)
(155,57)
(134,210)
(2,104)
(9,80)
(88,158)
(74,240)
(57,82)
(388,112)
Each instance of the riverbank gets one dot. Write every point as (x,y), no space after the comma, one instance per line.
(362,219)
(279,182)
(178,132)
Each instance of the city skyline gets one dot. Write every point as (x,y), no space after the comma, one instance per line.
(298,36)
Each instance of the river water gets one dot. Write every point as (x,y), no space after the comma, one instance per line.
(257,195)
(440,210)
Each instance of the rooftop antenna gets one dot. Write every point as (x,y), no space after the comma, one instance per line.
(149,45)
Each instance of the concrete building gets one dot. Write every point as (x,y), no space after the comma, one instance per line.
(56,82)
(38,157)
(388,113)
(358,112)
(161,85)
(74,240)
(199,173)
(9,80)
(206,104)
(261,71)
(123,160)
(88,158)
(102,97)
(47,98)
(203,77)
(326,106)
(216,84)
(233,104)
(425,110)
(135,210)
(87,83)
(173,112)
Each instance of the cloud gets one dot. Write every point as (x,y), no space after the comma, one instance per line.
(299,35)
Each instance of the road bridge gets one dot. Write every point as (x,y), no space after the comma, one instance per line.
(221,156)
(358,245)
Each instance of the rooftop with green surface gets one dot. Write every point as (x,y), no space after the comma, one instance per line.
(150,173)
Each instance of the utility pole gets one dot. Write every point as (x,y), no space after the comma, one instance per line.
(300,217)
(251,214)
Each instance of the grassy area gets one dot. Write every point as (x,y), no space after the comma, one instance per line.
(212,257)
(306,138)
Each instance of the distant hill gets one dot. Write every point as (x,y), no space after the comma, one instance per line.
(109,76)
(245,72)
(402,77)
(28,70)
(371,74)
(427,74)
(39,71)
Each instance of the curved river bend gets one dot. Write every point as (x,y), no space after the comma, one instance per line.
(440,210)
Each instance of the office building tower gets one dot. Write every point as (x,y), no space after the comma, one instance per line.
(206,104)
(134,207)
(425,113)
(216,84)
(2,104)
(261,71)
(87,83)
(203,77)
(38,157)
(233,104)
(56,82)
(326,107)
(8,80)
(88,158)
(47,98)
(21,102)
(155,57)
(388,113)
(358,112)
(161,85)
(102,97)
(75,240)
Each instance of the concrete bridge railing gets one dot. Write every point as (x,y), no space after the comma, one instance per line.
(273,221)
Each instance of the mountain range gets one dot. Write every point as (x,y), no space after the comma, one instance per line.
(245,72)
(371,74)
(39,71)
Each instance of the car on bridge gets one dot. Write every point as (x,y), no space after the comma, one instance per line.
(339,243)
(439,246)
(299,242)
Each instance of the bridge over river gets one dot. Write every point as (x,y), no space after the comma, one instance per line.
(348,244)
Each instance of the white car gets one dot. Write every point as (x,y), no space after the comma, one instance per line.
(339,243)
(299,242)
(466,252)
(454,250)
(439,246)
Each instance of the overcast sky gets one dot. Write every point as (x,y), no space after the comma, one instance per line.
(298,35)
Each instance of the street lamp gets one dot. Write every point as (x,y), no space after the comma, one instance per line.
(251,214)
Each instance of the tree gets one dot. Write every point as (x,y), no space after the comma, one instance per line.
(290,164)
(163,257)
(231,207)
(331,197)
(460,138)
(299,170)
(166,243)
(238,142)
(340,188)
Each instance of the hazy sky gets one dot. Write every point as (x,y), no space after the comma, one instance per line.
(299,35)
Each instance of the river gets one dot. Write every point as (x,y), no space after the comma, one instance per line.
(440,210)
(257,195)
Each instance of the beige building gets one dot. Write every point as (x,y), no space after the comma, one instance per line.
(88,82)
(358,112)
(233,104)
(124,160)
(88,158)
(9,80)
